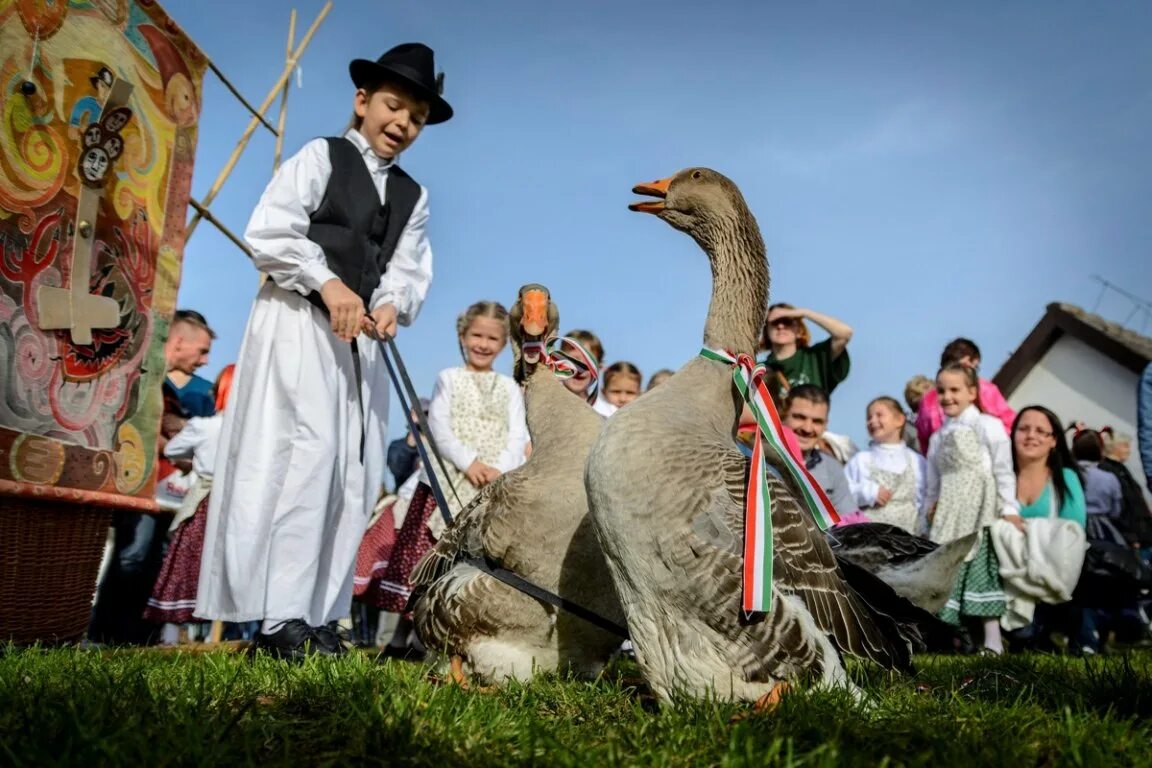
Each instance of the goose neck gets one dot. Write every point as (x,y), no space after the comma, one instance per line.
(739,287)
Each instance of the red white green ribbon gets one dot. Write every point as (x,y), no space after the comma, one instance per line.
(567,363)
(749,379)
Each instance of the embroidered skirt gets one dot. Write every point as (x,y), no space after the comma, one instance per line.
(372,559)
(977,591)
(174,594)
(412,542)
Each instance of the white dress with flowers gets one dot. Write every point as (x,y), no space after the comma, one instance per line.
(897,468)
(971,482)
(474,416)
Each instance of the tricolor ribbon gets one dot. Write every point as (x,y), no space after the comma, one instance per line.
(749,379)
(566,364)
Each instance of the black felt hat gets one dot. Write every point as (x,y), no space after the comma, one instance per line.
(412,65)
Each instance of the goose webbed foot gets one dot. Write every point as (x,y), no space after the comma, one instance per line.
(457,677)
(456,672)
(766,704)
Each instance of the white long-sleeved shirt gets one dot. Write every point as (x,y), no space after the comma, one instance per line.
(603,407)
(278,231)
(887,457)
(997,458)
(197,441)
(461,455)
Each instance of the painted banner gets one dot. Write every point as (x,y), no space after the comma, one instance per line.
(99,110)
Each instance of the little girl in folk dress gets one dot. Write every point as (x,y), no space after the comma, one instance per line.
(174,594)
(887,479)
(477,421)
(970,483)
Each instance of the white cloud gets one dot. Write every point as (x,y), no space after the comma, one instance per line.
(909,129)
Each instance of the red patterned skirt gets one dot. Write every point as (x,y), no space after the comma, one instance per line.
(412,542)
(372,559)
(174,594)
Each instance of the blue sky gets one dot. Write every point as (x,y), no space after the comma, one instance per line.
(919,172)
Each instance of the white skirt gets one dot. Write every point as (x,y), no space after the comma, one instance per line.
(291,498)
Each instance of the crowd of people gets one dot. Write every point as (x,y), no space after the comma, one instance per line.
(271,476)
(950,461)
(972,465)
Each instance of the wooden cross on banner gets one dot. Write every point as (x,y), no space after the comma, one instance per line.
(74,308)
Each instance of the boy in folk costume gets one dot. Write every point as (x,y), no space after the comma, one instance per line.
(340,231)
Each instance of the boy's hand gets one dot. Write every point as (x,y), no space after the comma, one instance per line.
(381,322)
(344,307)
(883,496)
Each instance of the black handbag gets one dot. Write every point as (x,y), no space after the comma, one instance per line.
(1111,557)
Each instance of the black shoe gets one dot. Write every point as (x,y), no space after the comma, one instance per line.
(293,641)
(331,638)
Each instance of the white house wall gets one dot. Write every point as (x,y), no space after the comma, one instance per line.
(1081,384)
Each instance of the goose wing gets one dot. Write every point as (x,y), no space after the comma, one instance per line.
(474,533)
(803,567)
(880,542)
(453,542)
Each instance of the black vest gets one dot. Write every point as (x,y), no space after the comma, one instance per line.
(358,234)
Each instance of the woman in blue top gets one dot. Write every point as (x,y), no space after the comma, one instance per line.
(1047,482)
(1047,477)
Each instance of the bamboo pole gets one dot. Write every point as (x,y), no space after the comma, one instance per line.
(284,96)
(228,84)
(240,145)
(206,214)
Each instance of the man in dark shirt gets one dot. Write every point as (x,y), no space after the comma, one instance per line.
(186,350)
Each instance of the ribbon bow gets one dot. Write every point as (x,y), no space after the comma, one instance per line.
(567,364)
(749,380)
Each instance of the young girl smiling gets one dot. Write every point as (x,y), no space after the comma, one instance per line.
(887,479)
(477,420)
(970,483)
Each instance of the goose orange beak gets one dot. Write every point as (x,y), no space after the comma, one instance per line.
(534,319)
(655,189)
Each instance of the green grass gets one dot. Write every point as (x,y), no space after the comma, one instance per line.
(146,708)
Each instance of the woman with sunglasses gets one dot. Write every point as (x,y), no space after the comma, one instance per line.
(786,337)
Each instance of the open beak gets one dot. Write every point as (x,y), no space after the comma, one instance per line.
(534,319)
(654,189)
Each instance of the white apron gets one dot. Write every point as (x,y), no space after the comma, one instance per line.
(291,498)
(479,420)
(901,509)
(967,489)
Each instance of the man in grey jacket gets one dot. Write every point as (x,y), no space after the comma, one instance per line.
(806,414)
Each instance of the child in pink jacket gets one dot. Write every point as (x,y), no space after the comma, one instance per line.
(930,417)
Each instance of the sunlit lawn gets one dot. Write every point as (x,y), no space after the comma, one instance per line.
(148,708)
